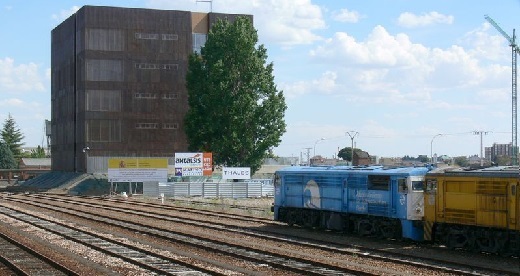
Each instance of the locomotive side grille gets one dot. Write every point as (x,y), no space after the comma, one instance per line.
(377,209)
(357,182)
(460,216)
(492,187)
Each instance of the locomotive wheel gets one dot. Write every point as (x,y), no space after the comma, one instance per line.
(387,230)
(487,242)
(310,219)
(365,227)
(290,218)
(457,237)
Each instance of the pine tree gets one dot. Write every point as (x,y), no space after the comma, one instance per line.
(7,160)
(12,136)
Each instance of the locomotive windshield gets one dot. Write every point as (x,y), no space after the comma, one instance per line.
(418,185)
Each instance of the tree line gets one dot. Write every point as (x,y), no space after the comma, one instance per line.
(11,142)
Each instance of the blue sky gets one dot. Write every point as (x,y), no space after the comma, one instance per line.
(396,72)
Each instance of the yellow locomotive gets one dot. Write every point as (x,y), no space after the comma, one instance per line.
(477,210)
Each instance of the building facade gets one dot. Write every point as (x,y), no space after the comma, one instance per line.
(118,82)
(497,150)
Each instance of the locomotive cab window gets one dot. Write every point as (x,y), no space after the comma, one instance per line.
(379,182)
(431,185)
(401,183)
(277,180)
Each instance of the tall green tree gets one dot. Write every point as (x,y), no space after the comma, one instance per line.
(12,136)
(38,152)
(346,153)
(7,160)
(236,111)
(461,161)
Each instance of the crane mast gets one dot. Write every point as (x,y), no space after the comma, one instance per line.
(514,51)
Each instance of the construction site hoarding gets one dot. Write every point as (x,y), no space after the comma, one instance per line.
(137,169)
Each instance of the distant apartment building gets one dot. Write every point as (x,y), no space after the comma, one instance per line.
(118,82)
(497,150)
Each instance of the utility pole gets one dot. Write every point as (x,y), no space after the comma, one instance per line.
(481,154)
(352,134)
(308,156)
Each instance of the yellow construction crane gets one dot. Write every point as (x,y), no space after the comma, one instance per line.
(515,51)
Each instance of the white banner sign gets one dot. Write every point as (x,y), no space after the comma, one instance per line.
(188,160)
(236,173)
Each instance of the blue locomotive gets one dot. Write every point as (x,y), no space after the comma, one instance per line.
(371,201)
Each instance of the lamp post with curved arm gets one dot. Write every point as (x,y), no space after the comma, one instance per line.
(321,139)
(431,146)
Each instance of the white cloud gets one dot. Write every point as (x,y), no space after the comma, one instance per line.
(380,49)
(391,69)
(344,15)
(11,102)
(384,59)
(410,20)
(64,14)
(284,22)
(325,84)
(19,78)
(487,43)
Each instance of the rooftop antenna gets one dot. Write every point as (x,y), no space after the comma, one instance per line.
(207,1)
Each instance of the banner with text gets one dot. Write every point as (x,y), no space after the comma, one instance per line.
(137,169)
(236,173)
(193,164)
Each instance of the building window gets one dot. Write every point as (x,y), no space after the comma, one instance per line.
(103,100)
(170,126)
(170,66)
(146,126)
(169,37)
(104,40)
(145,96)
(155,66)
(171,96)
(146,36)
(198,41)
(103,130)
(104,70)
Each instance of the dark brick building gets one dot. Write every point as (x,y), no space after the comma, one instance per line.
(118,82)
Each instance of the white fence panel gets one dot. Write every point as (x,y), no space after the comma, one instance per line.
(209,189)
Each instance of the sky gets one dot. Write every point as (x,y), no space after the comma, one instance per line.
(391,74)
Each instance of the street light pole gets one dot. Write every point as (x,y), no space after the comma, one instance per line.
(431,146)
(85,150)
(321,139)
(352,134)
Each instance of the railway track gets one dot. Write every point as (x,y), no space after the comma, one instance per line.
(148,260)
(287,263)
(158,212)
(22,260)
